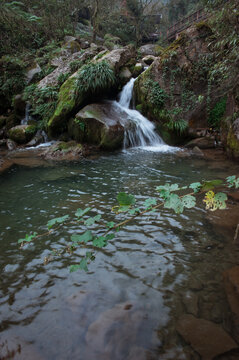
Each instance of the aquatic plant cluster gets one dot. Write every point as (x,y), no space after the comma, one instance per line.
(167,198)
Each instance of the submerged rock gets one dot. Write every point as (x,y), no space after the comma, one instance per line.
(63,151)
(99,124)
(201,143)
(231,283)
(115,332)
(207,338)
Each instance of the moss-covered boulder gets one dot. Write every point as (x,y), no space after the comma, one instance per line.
(98,124)
(102,76)
(22,134)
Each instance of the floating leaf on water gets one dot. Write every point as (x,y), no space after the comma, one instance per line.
(58,220)
(195,186)
(100,242)
(125,199)
(87,236)
(28,238)
(110,224)
(150,202)
(80,212)
(189,201)
(92,220)
(210,185)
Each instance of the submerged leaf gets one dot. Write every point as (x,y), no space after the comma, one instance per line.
(125,199)
(87,236)
(58,220)
(80,212)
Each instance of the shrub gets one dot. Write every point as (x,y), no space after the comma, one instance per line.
(94,77)
(217,113)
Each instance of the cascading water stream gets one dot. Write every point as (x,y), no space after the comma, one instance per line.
(139,131)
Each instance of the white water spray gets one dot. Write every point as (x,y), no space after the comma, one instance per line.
(139,131)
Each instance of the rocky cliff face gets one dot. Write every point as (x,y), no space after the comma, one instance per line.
(190,87)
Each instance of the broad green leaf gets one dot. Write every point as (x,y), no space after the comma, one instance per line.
(28,238)
(236,182)
(80,212)
(110,237)
(125,199)
(174,202)
(110,224)
(150,202)
(220,200)
(195,186)
(168,187)
(123,208)
(230,180)
(210,185)
(81,266)
(189,201)
(92,220)
(87,236)
(58,220)
(134,211)
(90,256)
(100,242)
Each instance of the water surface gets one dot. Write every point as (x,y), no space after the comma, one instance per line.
(158,268)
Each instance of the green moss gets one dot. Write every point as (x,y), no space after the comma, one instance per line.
(139,107)
(181,41)
(65,105)
(31,129)
(232,144)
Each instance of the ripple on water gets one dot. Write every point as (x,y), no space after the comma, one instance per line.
(159,267)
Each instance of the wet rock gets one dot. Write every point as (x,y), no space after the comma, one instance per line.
(224,222)
(63,151)
(32,72)
(138,69)
(148,49)
(11,145)
(72,46)
(36,140)
(198,152)
(5,164)
(125,75)
(190,301)
(207,338)
(201,143)
(3,143)
(149,59)
(21,134)
(115,332)
(12,347)
(231,284)
(195,285)
(99,124)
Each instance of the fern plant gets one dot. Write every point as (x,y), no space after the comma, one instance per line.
(178,125)
(94,77)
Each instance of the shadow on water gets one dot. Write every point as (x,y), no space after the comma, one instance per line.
(127,306)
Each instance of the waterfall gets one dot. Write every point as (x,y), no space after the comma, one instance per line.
(139,131)
(27,117)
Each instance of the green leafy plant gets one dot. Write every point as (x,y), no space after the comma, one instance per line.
(94,77)
(217,113)
(156,95)
(62,78)
(169,196)
(179,125)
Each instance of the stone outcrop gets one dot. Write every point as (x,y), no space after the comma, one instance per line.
(98,124)
(22,134)
(69,104)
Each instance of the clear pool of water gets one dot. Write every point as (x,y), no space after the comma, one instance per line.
(158,268)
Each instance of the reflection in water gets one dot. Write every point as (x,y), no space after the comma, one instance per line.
(159,267)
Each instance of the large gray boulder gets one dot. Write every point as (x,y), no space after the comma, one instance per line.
(120,57)
(64,66)
(98,124)
(148,49)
